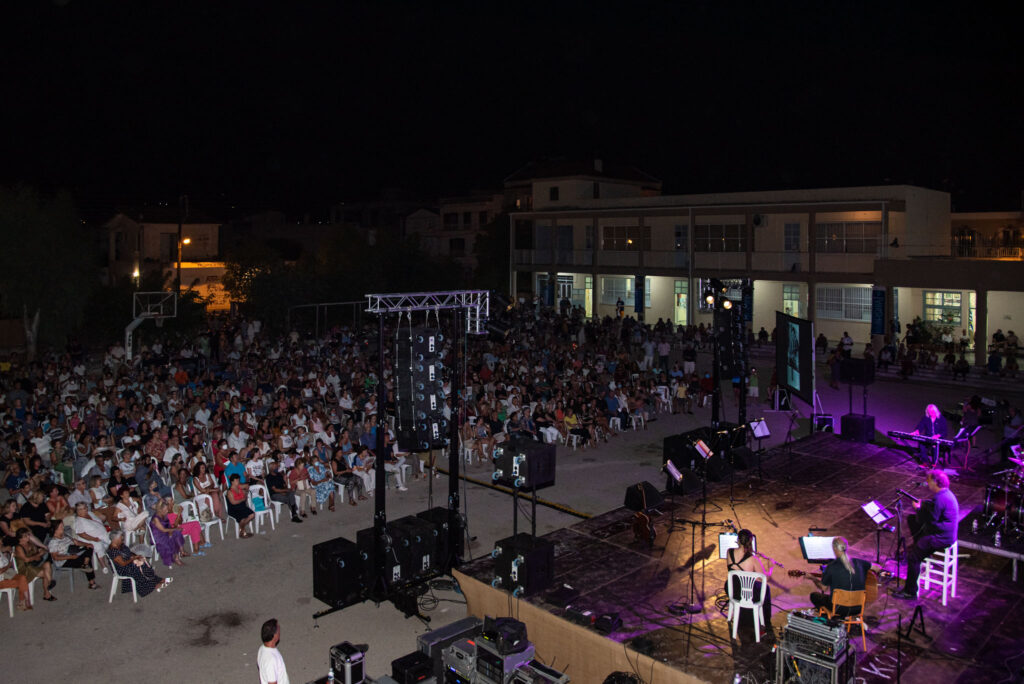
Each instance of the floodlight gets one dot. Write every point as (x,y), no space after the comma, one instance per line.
(726,304)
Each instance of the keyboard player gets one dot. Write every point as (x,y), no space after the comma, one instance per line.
(931,425)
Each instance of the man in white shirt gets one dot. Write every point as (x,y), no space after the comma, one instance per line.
(268,658)
(203,416)
(173,449)
(237,439)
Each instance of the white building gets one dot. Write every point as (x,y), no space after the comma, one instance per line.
(815,253)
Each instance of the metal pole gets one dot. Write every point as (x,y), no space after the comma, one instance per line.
(716,381)
(454,457)
(380,518)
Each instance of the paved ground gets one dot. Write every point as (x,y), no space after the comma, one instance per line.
(206,626)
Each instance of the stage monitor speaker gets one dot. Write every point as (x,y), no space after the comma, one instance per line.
(398,554)
(857,427)
(640,493)
(857,371)
(792,665)
(339,573)
(412,668)
(525,464)
(741,458)
(523,565)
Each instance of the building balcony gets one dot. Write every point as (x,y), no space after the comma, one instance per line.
(618,258)
(557,257)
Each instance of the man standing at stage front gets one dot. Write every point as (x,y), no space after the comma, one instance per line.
(933,527)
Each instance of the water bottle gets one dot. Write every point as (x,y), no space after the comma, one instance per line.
(330,676)
(974,526)
(999,539)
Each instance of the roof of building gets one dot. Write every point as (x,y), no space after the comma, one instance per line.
(588,168)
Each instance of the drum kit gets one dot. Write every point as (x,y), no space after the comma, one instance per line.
(1004,503)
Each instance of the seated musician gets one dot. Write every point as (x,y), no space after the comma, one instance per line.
(842,573)
(931,425)
(745,559)
(933,527)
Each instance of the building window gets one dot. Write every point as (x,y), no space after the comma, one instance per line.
(483,218)
(613,288)
(720,238)
(597,190)
(524,234)
(838,303)
(851,237)
(791,298)
(467,219)
(553,193)
(791,237)
(681,290)
(588,237)
(682,238)
(451,220)
(457,247)
(942,307)
(626,238)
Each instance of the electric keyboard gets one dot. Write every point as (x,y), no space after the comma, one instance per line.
(921,439)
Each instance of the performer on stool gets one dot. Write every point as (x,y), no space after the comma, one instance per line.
(743,559)
(842,573)
(932,425)
(933,528)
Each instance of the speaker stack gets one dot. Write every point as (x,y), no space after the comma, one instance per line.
(419,391)
(523,565)
(525,464)
(339,573)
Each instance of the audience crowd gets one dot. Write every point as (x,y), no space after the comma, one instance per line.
(118,465)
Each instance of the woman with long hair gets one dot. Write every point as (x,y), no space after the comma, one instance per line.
(745,559)
(841,573)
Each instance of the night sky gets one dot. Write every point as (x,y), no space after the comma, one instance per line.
(259,104)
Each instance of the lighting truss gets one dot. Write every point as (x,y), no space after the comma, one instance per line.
(475,302)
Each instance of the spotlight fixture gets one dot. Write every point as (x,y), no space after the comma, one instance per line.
(710,298)
(726,304)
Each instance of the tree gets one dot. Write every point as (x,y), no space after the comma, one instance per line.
(47,268)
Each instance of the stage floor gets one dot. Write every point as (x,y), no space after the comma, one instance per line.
(821,482)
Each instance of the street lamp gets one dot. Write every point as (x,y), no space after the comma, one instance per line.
(177,281)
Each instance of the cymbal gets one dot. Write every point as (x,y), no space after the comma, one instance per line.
(1018,461)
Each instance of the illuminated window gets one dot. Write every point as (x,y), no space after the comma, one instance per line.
(942,307)
(791,299)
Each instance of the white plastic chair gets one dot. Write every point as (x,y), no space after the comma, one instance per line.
(115,584)
(747,580)
(205,500)
(941,568)
(31,585)
(12,596)
(267,512)
(238,529)
(571,437)
(638,422)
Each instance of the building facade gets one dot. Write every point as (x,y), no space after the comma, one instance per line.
(818,254)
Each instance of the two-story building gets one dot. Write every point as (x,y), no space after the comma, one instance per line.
(816,253)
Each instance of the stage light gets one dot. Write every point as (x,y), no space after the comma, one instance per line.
(710,299)
(726,304)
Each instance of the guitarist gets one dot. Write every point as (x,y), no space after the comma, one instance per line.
(933,527)
(842,572)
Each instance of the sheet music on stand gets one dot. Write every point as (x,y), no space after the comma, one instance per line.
(878,513)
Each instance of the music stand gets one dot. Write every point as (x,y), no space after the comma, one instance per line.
(705,452)
(759,430)
(879,515)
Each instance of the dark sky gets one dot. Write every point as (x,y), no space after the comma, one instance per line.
(271,104)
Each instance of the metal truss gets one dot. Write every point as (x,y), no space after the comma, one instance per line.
(476,303)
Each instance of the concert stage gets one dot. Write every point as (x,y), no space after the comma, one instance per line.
(821,483)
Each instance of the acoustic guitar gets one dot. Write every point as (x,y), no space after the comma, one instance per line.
(870,581)
(643,525)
